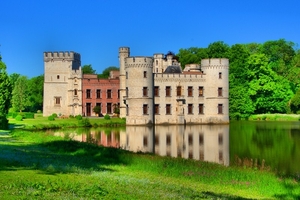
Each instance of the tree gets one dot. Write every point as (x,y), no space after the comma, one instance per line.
(218,50)
(13,78)
(87,69)
(97,110)
(191,55)
(295,103)
(5,95)
(106,71)
(35,93)
(20,94)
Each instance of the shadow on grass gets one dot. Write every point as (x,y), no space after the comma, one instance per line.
(60,157)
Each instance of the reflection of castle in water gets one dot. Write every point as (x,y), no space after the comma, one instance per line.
(203,142)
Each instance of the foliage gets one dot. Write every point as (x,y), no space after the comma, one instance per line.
(51,118)
(5,95)
(106,71)
(116,108)
(295,102)
(78,117)
(35,93)
(54,115)
(107,117)
(88,69)
(97,110)
(19,118)
(20,94)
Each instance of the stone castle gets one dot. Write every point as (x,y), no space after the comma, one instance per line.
(152,90)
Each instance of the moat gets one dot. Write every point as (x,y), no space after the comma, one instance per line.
(255,144)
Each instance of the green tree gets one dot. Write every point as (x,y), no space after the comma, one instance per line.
(35,93)
(106,71)
(13,78)
(5,95)
(20,94)
(218,50)
(191,55)
(97,110)
(295,103)
(88,69)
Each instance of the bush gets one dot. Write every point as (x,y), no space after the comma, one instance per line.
(19,118)
(78,117)
(54,115)
(71,116)
(51,118)
(85,122)
(107,117)
(29,115)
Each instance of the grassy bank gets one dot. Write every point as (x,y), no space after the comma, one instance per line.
(40,166)
(39,123)
(275,117)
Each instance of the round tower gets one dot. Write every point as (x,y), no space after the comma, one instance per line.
(124,52)
(139,84)
(216,89)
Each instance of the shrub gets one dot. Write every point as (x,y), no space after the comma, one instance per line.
(29,115)
(107,117)
(51,118)
(71,116)
(54,115)
(85,122)
(78,117)
(19,118)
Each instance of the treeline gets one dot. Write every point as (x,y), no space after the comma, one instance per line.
(263,78)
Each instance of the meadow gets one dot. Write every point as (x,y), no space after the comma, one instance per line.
(36,165)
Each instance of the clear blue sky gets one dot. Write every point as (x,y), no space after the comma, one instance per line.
(97,28)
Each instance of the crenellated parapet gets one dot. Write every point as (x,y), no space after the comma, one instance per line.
(139,62)
(215,62)
(63,56)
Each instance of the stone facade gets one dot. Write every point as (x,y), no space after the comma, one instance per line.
(157,91)
(62,83)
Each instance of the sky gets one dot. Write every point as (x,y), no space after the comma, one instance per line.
(97,28)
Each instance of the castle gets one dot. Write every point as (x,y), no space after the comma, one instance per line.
(152,90)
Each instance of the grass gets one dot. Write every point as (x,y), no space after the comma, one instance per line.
(34,165)
(275,117)
(43,123)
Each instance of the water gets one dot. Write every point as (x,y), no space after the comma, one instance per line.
(262,144)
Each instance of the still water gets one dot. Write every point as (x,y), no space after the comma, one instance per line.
(262,144)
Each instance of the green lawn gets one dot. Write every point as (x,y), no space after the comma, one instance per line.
(34,165)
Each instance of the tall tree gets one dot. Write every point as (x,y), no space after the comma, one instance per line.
(106,71)
(88,69)
(35,93)
(191,55)
(20,94)
(218,50)
(5,95)
(13,78)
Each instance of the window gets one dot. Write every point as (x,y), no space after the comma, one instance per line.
(109,94)
(201,108)
(145,141)
(220,139)
(57,100)
(118,94)
(201,139)
(168,91)
(168,109)
(220,92)
(190,91)
(126,75)
(190,108)
(98,92)
(178,90)
(220,75)
(108,108)
(145,74)
(156,111)
(220,108)
(200,91)
(57,76)
(145,91)
(88,93)
(156,62)
(75,92)
(126,91)
(145,109)
(156,91)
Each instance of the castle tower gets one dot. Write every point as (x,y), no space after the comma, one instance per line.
(216,91)
(62,83)
(139,85)
(124,52)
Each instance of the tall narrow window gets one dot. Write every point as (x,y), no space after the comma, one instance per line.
(75,92)
(57,101)
(109,94)
(118,94)
(156,111)
(145,74)
(98,94)
(145,91)
(156,91)
(145,109)
(88,93)
(220,108)
(156,62)
(126,91)
(220,91)
(220,75)
(201,108)
(201,91)
(108,108)
(168,91)
(126,75)
(220,139)
(190,91)
(178,90)
(57,76)
(168,109)
(190,109)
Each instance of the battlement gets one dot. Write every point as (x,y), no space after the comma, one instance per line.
(158,55)
(61,55)
(139,60)
(124,50)
(215,62)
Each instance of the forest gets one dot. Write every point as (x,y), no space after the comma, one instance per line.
(263,78)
